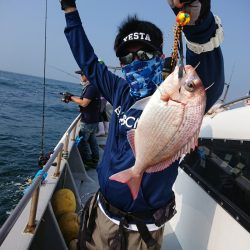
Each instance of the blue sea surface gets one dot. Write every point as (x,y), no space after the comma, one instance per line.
(21,108)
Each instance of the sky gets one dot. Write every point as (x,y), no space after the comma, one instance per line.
(22,38)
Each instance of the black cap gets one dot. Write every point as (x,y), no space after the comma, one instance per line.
(134,30)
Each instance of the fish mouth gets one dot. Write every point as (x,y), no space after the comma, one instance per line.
(176,101)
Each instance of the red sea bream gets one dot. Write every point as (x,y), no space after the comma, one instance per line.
(168,127)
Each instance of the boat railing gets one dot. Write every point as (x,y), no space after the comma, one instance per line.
(236,101)
(70,134)
(32,192)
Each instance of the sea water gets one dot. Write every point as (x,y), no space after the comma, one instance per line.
(21,108)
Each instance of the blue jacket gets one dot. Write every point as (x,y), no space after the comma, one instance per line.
(156,188)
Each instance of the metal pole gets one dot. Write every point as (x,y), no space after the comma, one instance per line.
(65,148)
(30,228)
(235,101)
(58,164)
(74,133)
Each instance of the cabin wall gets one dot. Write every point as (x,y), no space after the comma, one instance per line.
(201,223)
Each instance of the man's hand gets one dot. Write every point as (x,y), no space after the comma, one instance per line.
(67,3)
(198,9)
(66,97)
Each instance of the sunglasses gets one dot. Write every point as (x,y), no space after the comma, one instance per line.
(141,54)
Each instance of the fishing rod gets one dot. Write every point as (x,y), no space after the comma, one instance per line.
(63,71)
(44,79)
(42,158)
(228,85)
(69,74)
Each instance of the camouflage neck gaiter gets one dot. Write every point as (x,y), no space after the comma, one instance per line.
(143,76)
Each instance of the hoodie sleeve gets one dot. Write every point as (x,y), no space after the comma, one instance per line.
(83,52)
(211,67)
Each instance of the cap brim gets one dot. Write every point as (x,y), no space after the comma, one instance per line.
(122,48)
(79,72)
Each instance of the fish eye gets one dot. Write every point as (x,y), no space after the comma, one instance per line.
(189,86)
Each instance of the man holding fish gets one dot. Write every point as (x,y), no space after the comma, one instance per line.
(153,122)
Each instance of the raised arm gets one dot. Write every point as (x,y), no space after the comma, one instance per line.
(204,34)
(84,54)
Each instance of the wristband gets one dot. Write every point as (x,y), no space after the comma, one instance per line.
(213,43)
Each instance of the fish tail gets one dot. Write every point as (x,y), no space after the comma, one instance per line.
(127,177)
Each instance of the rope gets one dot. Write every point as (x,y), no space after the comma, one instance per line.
(44,80)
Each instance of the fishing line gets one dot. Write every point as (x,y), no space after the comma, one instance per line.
(44,82)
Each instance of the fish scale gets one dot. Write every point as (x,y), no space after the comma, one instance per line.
(154,138)
(165,137)
(189,128)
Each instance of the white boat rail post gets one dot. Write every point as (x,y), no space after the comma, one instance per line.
(73,126)
(65,153)
(32,217)
(11,220)
(74,132)
(58,164)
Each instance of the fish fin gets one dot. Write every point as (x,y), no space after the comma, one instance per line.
(140,104)
(159,166)
(131,139)
(192,143)
(127,177)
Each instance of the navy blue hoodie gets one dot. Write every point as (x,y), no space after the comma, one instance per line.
(156,188)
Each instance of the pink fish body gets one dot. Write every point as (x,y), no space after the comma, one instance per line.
(169,127)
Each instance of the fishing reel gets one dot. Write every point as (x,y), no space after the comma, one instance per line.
(66,97)
(43,159)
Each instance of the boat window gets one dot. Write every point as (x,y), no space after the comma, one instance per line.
(222,167)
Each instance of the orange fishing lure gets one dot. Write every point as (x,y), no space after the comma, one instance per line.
(182,19)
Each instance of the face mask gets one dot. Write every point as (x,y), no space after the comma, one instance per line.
(84,84)
(143,76)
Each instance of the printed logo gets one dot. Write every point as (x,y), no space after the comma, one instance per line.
(118,110)
(124,120)
(137,36)
(129,121)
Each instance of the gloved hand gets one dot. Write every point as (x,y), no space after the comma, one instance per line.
(198,9)
(67,3)
(66,97)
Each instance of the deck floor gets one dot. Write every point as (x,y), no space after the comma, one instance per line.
(87,183)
